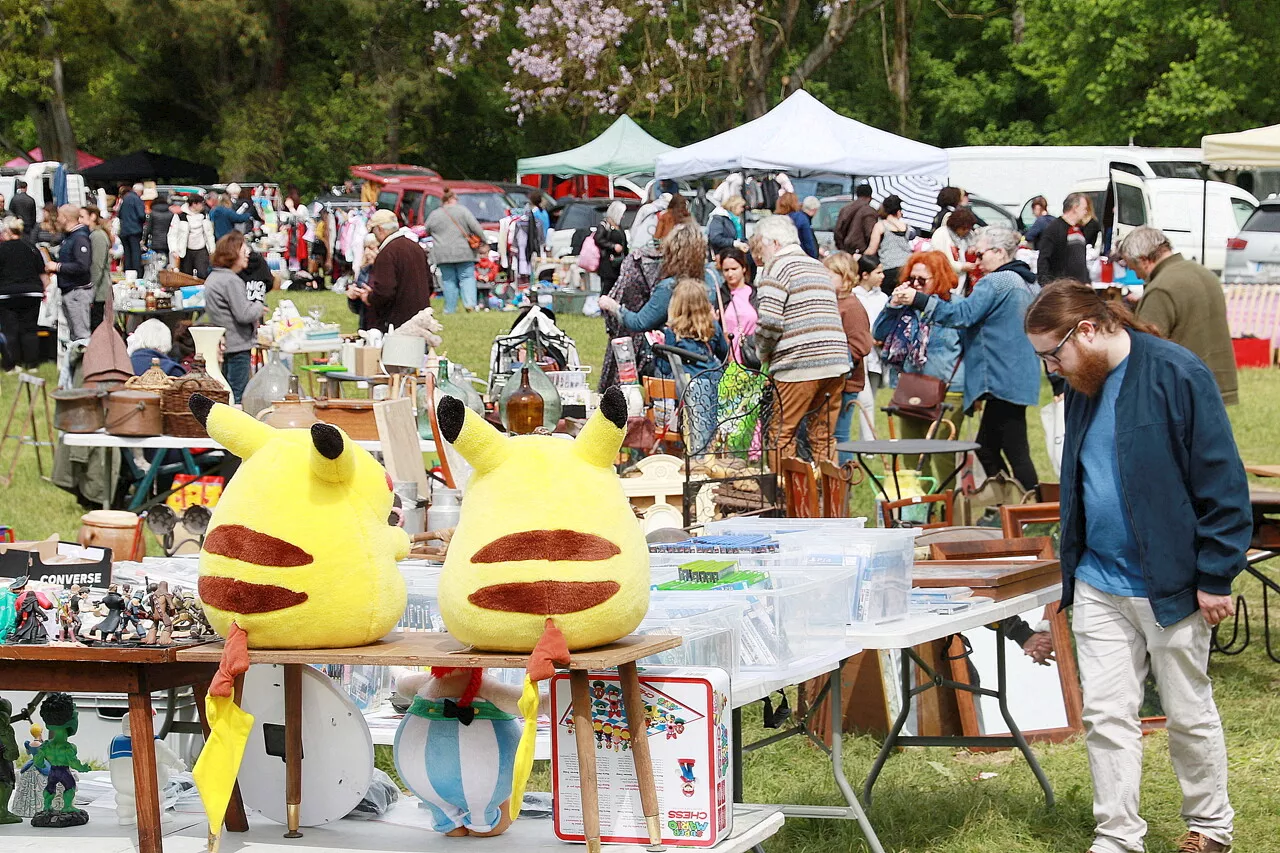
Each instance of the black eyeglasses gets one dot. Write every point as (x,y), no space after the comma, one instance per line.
(916,279)
(1052,355)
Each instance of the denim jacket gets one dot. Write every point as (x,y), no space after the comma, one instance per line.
(653,314)
(1183,484)
(942,354)
(998,357)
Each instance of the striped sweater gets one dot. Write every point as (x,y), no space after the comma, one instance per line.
(799,332)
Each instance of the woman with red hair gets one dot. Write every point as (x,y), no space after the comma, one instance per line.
(913,345)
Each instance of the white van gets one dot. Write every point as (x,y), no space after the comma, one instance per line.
(1012,175)
(39,178)
(1177,206)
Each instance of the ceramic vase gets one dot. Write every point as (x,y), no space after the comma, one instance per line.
(206,339)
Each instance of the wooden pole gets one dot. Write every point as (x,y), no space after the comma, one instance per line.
(293,746)
(633,701)
(584,736)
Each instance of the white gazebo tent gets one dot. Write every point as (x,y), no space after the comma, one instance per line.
(802,136)
(624,149)
(1258,148)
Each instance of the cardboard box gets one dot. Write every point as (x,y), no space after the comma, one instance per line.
(50,561)
(688,717)
(363,361)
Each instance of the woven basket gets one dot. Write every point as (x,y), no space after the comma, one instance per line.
(154,379)
(178,420)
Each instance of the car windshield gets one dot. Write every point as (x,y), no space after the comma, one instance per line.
(828,213)
(486,207)
(577,216)
(1264,219)
(1178,169)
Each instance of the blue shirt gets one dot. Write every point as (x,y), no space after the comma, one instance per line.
(225,220)
(1110,562)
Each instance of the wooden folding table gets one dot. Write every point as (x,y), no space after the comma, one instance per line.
(431,649)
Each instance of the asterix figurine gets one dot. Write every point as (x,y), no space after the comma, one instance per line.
(160,605)
(58,711)
(111,625)
(30,607)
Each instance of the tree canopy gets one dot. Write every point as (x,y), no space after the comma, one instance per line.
(297,91)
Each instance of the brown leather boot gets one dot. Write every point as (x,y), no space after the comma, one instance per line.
(1195,842)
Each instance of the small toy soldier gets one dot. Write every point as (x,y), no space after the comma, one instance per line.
(134,613)
(30,606)
(161,612)
(111,626)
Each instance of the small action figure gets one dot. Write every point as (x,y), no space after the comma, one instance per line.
(30,607)
(134,613)
(69,616)
(31,778)
(162,610)
(8,613)
(8,754)
(190,616)
(121,766)
(111,625)
(58,711)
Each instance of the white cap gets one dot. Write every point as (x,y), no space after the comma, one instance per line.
(233,189)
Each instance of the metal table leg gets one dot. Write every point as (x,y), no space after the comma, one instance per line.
(1013,727)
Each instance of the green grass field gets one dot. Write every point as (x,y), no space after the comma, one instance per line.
(927,800)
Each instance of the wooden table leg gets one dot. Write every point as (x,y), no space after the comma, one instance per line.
(293,747)
(584,736)
(633,701)
(145,785)
(236,821)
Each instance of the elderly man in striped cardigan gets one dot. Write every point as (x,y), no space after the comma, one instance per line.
(801,341)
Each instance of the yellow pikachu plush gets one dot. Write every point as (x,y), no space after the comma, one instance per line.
(301,551)
(545,534)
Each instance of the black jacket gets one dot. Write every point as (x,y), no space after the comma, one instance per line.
(23,206)
(21,266)
(156,234)
(1057,258)
(74,257)
(610,259)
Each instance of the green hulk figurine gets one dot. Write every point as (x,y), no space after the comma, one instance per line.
(8,754)
(58,711)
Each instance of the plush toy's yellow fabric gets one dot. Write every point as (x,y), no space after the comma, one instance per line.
(300,553)
(545,532)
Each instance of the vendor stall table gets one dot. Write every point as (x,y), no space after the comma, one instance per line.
(1263,470)
(173,442)
(901,634)
(429,649)
(1266,546)
(133,671)
(129,320)
(924,628)
(895,447)
(405,827)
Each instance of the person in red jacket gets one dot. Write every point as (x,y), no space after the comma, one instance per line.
(400,284)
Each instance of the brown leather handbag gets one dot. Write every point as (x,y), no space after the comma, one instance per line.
(919,396)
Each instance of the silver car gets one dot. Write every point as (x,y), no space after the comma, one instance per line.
(1253,255)
(824,223)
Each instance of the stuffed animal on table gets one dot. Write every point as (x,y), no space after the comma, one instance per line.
(548,557)
(300,554)
(120,764)
(456,748)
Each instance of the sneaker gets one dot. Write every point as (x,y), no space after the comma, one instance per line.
(1194,842)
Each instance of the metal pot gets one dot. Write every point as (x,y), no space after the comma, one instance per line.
(78,410)
(134,413)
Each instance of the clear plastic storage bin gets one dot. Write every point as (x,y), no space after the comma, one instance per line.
(711,632)
(882,559)
(799,613)
(753,524)
(422,610)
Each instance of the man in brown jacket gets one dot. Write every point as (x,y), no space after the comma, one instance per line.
(400,282)
(855,222)
(1184,300)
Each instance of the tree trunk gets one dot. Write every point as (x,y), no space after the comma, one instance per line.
(61,142)
(900,69)
(1019,22)
(756,79)
(393,130)
(279,68)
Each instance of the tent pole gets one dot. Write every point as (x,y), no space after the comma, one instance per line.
(611,186)
(1204,218)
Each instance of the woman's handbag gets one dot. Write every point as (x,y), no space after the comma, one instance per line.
(589,256)
(473,240)
(919,396)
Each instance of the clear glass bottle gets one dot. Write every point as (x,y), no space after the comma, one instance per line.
(268,385)
(524,407)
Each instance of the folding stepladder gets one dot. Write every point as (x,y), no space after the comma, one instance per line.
(27,382)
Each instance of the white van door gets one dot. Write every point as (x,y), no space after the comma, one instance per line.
(1132,204)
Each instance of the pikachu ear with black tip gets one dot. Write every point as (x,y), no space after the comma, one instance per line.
(601,438)
(479,443)
(331,458)
(233,429)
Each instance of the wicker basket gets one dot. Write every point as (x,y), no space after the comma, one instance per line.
(178,420)
(174,280)
(154,379)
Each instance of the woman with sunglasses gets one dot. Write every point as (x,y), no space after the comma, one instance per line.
(915,344)
(1001,369)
